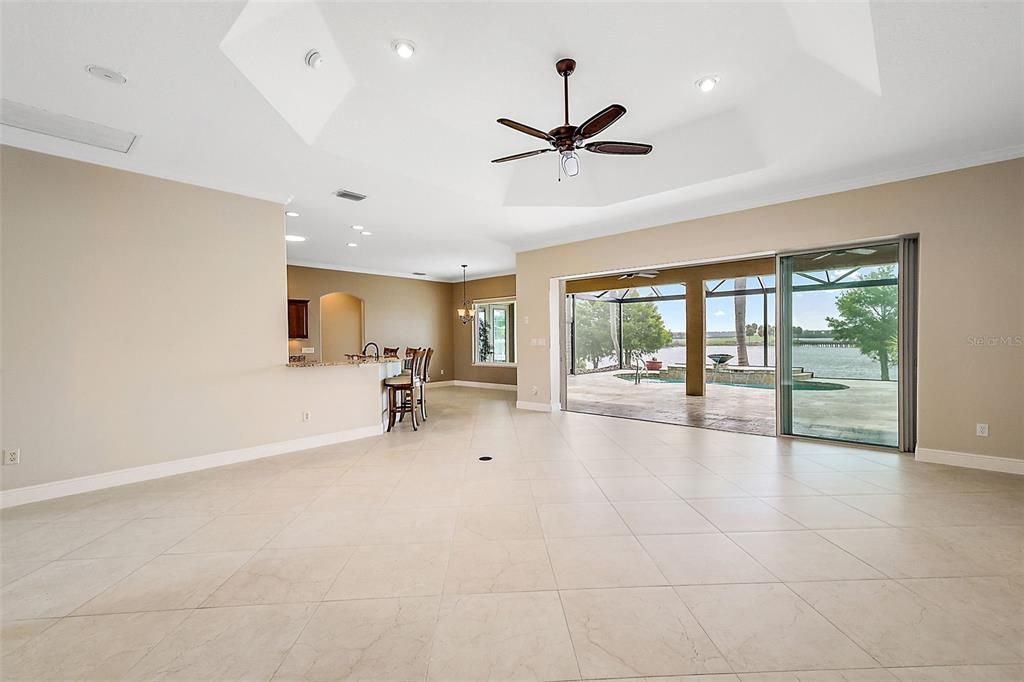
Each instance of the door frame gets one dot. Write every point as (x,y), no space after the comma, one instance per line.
(907,342)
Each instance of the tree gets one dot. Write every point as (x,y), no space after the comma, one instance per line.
(593,339)
(869,319)
(483,339)
(643,329)
(740,307)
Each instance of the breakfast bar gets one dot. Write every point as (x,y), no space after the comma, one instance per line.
(384,368)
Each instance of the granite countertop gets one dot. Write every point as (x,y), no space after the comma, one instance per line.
(345,363)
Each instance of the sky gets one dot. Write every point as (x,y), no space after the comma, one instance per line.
(809,311)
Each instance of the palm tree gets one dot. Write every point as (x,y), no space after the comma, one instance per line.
(741,323)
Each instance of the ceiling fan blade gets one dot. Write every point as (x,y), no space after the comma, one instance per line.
(601,120)
(648,274)
(523,128)
(618,148)
(520,156)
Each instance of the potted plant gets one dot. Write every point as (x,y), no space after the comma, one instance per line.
(653,363)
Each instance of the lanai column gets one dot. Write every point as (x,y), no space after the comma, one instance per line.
(694,335)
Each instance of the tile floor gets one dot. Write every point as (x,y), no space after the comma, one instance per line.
(588,548)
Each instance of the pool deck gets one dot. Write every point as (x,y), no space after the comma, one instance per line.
(865,411)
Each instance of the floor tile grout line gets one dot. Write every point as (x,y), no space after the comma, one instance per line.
(668,584)
(833,624)
(703,629)
(561,605)
(852,554)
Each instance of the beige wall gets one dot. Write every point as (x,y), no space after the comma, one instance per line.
(396,311)
(341,326)
(971,227)
(145,320)
(479,289)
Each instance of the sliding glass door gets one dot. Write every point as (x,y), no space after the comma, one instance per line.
(847,320)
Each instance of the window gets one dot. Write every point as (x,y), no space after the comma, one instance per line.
(494,337)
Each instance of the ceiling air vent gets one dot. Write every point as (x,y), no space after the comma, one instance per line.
(37,120)
(349,194)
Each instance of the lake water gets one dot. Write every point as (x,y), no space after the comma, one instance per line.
(826,363)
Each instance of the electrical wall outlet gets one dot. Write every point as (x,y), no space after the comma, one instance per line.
(442,372)
(981,430)
(12,456)
(306,416)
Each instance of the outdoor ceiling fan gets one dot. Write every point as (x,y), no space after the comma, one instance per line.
(858,251)
(566,139)
(646,274)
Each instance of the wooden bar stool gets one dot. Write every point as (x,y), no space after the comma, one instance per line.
(402,391)
(424,380)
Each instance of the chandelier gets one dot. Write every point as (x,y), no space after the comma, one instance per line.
(466,311)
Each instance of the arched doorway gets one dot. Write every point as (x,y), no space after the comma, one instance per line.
(341,326)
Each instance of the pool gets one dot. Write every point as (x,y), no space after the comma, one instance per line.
(797,385)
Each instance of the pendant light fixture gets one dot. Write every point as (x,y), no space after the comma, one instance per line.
(466,311)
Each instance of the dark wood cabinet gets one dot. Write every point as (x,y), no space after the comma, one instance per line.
(298,318)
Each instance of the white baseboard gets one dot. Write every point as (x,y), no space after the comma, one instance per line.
(536,407)
(971,461)
(440,384)
(483,384)
(110,479)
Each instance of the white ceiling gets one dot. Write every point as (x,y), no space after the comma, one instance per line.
(813,98)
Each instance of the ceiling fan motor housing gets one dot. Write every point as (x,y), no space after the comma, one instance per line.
(564,137)
(565,67)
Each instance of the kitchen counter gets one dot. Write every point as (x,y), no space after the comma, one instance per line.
(347,363)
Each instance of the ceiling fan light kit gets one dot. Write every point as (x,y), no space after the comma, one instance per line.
(567,139)
(571,164)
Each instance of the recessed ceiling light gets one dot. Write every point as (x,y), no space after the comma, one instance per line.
(358,227)
(707,83)
(353,244)
(403,48)
(294,238)
(366,234)
(105,74)
(292,214)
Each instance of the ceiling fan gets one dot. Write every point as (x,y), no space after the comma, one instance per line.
(646,274)
(858,251)
(566,139)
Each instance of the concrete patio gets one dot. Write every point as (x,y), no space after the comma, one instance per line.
(866,411)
